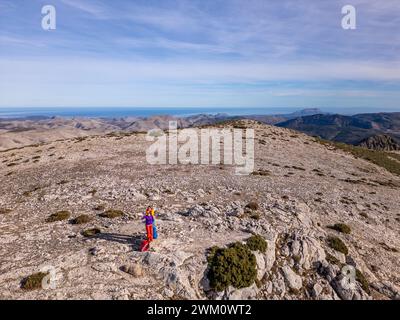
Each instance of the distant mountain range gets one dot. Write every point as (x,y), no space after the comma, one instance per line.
(375,130)
(278,118)
(354,129)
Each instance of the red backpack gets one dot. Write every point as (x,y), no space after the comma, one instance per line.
(145,246)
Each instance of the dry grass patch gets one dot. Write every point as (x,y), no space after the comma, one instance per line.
(111,214)
(58,216)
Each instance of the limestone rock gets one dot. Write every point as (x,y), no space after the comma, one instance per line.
(293,280)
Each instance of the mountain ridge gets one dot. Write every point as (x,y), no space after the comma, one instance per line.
(298,198)
(347,129)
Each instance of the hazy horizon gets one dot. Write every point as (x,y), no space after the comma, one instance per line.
(109,112)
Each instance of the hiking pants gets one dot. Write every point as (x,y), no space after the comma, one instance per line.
(149,230)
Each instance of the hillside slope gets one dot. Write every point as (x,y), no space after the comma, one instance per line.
(299,189)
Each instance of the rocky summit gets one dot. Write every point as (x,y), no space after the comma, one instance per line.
(325,224)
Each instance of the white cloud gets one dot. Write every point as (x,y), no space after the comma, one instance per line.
(84,70)
(95,9)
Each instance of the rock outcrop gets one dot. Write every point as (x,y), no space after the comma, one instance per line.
(381,142)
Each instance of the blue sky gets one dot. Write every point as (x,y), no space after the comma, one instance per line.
(200,53)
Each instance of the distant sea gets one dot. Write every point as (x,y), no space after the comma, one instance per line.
(119,112)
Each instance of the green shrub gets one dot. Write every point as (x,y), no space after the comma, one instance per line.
(34,281)
(81,219)
(211,253)
(257,242)
(58,216)
(233,266)
(363,281)
(341,227)
(338,245)
(91,232)
(111,214)
(332,260)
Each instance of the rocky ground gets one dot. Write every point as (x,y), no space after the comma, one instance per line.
(301,188)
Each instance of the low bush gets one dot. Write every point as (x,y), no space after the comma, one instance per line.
(257,243)
(58,216)
(233,266)
(34,281)
(91,232)
(111,214)
(362,281)
(338,245)
(332,260)
(341,227)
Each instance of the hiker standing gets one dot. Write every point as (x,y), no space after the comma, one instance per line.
(149,225)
